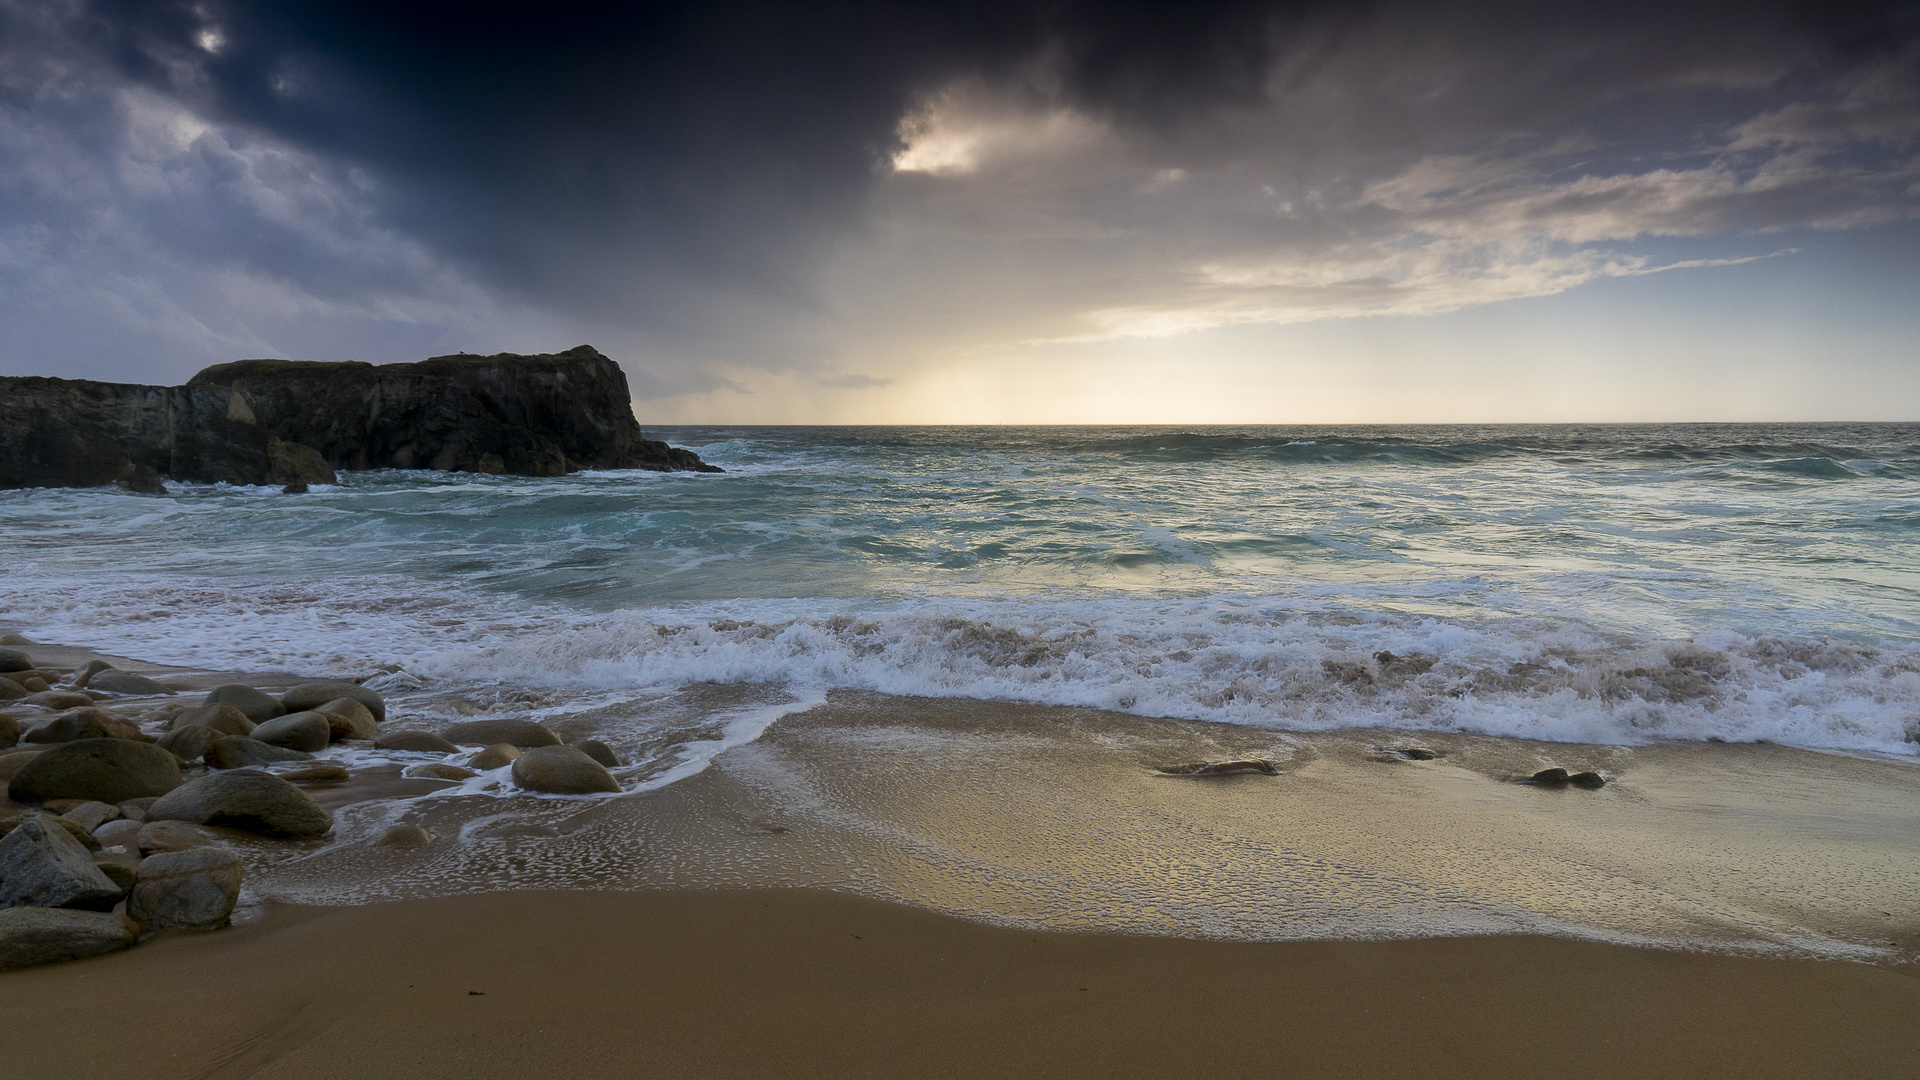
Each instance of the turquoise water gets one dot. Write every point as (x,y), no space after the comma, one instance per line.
(1613,583)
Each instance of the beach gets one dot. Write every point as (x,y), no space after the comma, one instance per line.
(1106,799)
(804,984)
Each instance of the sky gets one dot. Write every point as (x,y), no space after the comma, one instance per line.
(987,212)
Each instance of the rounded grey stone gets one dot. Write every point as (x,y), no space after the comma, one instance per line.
(256,705)
(220,716)
(309,696)
(110,770)
(244,799)
(562,770)
(522,733)
(308,731)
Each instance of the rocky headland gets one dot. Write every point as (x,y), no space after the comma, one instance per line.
(287,422)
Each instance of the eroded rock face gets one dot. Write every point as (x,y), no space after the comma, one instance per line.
(80,433)
(539,415)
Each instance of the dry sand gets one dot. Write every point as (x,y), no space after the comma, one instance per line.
(804,984)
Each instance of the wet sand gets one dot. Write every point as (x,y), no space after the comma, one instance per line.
(796,983)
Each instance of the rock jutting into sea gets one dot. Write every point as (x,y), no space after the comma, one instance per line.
(288,422)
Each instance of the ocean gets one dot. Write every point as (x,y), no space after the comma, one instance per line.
(943,666)
(1616,584)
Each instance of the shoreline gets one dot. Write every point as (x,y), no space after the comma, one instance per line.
(803,983)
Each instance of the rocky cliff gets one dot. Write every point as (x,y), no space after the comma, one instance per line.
(283,421)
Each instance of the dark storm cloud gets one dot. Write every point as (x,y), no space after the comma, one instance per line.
(256,177)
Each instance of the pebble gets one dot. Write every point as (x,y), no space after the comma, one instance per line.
(406,836)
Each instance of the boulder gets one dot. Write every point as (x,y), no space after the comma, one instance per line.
(245,799)
(15,660)
(110,770)
(189,743)
(494,757)
(87,723)
(94,667)
(240,752)
(91,815)
(57,699)
(406,836)
(307,731)
(115,681)
(74,828)
(415,742)
(33,936)
(255,705)
(348,719)
(193,889)
(11,691)
(316,774)
(600,752)
(37,684)
(435,770)
(172,836)
(12,762)
(522,733)
(41,865)
(309,696)
(220,716)
(117,830)
(9,727)
(123,877)
(562,770)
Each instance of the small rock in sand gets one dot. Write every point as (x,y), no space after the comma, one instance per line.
(316,774)
(42,865)
(1549,777)
(33,936)
(493,757)
(307,731)
(115,681)
(313,695)
(254,704)
(1223,768)
(436,770)
(522,733)
(562,770)
(172,836)
(600,752)
(1416,753)
(15,660)
(194,889)
(245,799)
(422,742)
(406,836)
(1588,780)
(220,716)
(240,752)
(348,719)
(110,770)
